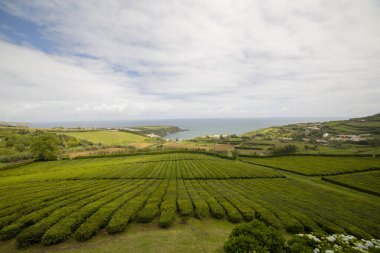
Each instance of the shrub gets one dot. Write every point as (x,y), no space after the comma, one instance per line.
(122,216)
(33,234)
(46,147)
(233,214)
(284,150)
(147,213)
(216,209)
(299,244)
(316,242)
(167,217)
(168,212)
(243,244)
(254,237)
(201,208)
(185,207)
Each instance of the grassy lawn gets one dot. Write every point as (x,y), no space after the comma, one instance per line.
(109,137)
(196,235)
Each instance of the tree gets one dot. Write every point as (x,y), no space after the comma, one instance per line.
(235,154)
(45,147)
(285,150)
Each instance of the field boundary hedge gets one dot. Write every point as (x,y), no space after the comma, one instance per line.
(16,165)
(152,153)
(328,155)
(315,174)
(248,148)
(350,186)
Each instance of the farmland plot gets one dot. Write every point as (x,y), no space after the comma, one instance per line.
(76,199)
(368,182)
(319,165)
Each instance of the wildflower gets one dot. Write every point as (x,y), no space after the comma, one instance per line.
(361,246)
(316,250)
(336,246)
(331,238)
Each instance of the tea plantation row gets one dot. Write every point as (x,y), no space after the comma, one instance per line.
(79,198)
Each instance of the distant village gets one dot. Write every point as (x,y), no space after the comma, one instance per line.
(311,132)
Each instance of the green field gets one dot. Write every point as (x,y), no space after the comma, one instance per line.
(166,166)
(365,181)
(109,137)
(50,202)
(318,165)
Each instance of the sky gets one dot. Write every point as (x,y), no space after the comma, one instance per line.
(121,60)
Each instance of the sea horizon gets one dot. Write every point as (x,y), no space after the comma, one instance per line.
(195,126)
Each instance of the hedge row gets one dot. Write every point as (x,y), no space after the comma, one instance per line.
(298,154)
(185,206)
(232,213)
(168,206)
(101,218)
(65,227)
(151,207)
(200,205)
(15,228)
(351,186)
(153,153)
(129,210)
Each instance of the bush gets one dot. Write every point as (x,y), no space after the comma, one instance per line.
(122,216)
(201,208)
(299,244)
(185,207)
(318,242)
(243,244)
(167,217)
(168,212)
(216,209)
(254,236)
(46,147)
(284,150)
(147,213)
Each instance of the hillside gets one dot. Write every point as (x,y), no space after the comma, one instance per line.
(352,136)
(367,128)
(160,131)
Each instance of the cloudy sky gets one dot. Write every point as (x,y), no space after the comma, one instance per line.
(101,60)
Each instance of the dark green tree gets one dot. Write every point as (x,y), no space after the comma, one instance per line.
(46,147)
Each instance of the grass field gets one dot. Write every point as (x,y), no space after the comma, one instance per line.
(192,235)
(109,137)
(53,202)
(365,181)
(318,165)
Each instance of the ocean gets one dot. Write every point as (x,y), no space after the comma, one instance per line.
(196,127)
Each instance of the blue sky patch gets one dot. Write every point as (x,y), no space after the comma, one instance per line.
(21,31)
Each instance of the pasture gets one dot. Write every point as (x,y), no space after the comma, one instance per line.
(109,137)
(48,203)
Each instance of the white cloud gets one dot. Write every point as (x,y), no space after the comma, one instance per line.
(194,59)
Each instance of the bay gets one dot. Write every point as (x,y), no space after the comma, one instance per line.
(195,127)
